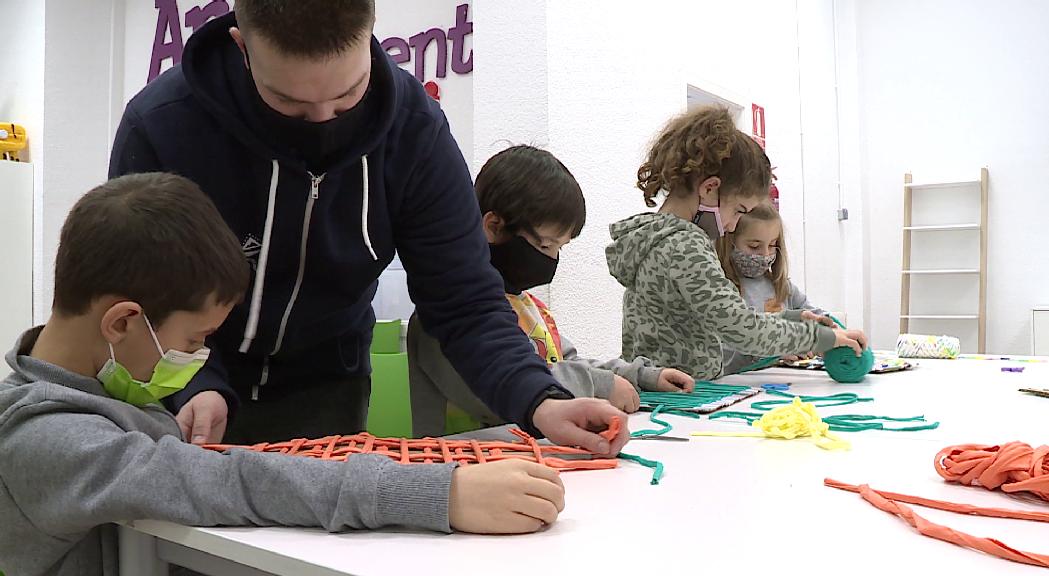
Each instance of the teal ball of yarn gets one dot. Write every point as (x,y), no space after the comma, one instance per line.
(843,365)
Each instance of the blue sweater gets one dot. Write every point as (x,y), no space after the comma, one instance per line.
(318,242)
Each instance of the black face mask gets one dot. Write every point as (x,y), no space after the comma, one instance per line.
(315,143)
(521,265)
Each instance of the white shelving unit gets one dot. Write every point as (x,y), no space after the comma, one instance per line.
(1040,331)
(909,274)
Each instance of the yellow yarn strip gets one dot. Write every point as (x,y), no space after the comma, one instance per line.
(795,420)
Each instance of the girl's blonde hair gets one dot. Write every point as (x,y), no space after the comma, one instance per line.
(778,274)
(697,145)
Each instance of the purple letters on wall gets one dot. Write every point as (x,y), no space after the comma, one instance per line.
(167,41)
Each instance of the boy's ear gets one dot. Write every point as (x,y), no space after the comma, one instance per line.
(115,320)
(494,226)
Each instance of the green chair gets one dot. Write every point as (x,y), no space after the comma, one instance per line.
(390,408)
(386,337)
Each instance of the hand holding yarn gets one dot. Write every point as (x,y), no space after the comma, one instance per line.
(848,363)
(854,339)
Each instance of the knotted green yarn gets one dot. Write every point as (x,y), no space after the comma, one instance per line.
(843,365)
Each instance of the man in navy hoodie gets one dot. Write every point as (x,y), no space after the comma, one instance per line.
(324,158)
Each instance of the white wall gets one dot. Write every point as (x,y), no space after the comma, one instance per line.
(22,70)
(511,88)
(616,76)
(79,90)
(22,94)
(946,87)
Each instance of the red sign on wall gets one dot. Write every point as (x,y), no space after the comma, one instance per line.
(758,115)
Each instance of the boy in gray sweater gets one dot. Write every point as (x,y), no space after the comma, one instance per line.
(146,270)
(531,206)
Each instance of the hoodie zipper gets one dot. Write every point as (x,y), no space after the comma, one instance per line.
(315,192)
(315,186)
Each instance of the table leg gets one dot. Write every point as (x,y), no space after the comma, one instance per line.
(138,554)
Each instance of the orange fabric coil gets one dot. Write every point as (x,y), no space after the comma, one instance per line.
(1013,467)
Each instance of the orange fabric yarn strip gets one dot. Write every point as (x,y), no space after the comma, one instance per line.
(439,450)
(1012,467)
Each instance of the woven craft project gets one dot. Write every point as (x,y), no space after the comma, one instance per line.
(707,397)
(1013,468)
(439,450)
(919,346)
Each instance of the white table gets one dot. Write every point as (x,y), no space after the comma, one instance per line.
(725,504)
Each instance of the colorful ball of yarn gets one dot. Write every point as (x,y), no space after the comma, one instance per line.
(922,346)
(843,365)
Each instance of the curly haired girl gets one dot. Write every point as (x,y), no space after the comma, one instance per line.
(679,308)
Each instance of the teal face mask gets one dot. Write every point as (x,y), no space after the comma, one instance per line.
(173,371)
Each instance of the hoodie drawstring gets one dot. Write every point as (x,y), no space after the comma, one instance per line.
(252,326)
(364,207)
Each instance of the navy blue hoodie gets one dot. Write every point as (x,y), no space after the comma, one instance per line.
(318,242)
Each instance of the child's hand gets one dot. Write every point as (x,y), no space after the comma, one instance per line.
(671,380)
(825,320)
(623,395)
(854,339)
(507,497)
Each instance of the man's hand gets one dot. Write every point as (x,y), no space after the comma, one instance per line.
(203,418)
(576,423)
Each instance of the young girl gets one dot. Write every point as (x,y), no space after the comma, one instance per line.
(754,258)
(679,308)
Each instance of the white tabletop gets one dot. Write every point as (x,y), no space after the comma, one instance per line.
(735,504)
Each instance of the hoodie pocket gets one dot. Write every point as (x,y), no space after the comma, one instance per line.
(349,346)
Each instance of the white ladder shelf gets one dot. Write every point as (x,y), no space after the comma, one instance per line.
(907,273)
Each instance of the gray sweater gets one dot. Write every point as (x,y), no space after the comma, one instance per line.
(759,294)
(434,381)
(73,461)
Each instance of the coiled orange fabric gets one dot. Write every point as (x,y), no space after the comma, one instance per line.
(1014,467)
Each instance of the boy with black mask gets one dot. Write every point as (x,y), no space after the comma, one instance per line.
(531,206)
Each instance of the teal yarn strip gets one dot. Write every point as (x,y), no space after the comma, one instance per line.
(843,365)
(861,422)
(654,418)
(847,422)
(763,363)
(839,399)
(750,417)
(657,467)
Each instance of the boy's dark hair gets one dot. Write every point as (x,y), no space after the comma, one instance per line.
(528,187)
(308,28)
(152,238)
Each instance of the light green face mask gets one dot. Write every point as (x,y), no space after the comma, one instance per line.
(171,374)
